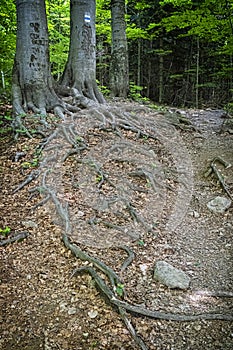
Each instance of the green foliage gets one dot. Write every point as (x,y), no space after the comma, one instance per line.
(98,178)
(59,31)
(165,30)
(178,3)
(32,163)
(229,107)
(104,89)
(7,41)
(5,231)
(141,242)
(134,33)
(103,21)
(208,19)
(120,289)
(5,124)
(135,93)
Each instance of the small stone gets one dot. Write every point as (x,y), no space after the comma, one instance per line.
(29,224)
(63,306)
(170,276)
(219,204)
(72,311)
(198,327)
(92,314)
(196,215)
(143,268)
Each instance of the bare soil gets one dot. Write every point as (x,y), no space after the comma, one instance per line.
(43,307)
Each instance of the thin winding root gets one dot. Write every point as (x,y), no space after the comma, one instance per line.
(122,306)
(16,238)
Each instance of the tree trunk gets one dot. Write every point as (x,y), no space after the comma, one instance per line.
(119,71)
(80,71)
(161,71)
(32,87)
(197,74)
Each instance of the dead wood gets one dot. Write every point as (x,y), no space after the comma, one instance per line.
(213,169)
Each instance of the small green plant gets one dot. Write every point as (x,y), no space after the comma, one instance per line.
(98,179)
(21,131)
(134,91)
(141,242)
(26,165)
(8,117)
(94,344)
(5,125)
(229,108)
(32,164)
(159,108)
(4,131)
(4,231)
(145,137)
(79,139)
(120,289)
(105,91)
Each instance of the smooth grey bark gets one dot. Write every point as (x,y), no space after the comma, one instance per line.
(32,87)
(119,70)
(80,71)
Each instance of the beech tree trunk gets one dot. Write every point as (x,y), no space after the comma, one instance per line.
(80,71)
(119,70)
(32,87)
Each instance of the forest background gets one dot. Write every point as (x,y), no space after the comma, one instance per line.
(180,51)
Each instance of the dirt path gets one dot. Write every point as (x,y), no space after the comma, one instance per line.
(42,307)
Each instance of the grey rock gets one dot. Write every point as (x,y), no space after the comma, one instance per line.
(72,311)
(219,204)
(196,215)
(170,276)
(29,224)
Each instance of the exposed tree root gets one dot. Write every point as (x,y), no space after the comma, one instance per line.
(16,238)
(215,294)
(129,260)
(32,176)
(124,307)
(138,340)
(108,198)
(19,127)
(220,178)
(134,308)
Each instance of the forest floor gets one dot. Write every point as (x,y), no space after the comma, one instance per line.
(43,307)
